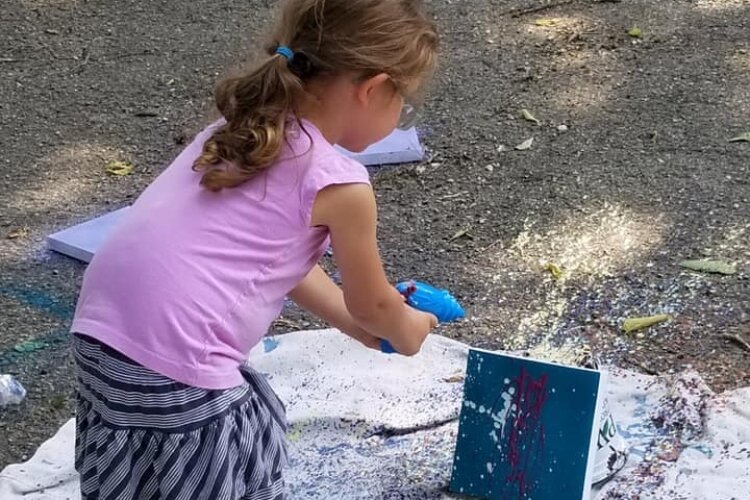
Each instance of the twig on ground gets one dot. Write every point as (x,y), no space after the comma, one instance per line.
(86,55)
(737,340)
(285,323)
(538,8)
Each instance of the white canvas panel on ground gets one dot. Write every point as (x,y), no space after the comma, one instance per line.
(402,146)
(370,426)
(82,240)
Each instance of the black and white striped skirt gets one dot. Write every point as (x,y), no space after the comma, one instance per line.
(141,435)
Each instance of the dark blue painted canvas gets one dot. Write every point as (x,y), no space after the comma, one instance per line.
(525,430)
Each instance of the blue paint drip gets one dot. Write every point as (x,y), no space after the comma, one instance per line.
(40,300)
(703,449)
(10,357)
(44,302)
(270,344)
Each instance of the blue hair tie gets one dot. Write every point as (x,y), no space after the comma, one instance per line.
(285,51)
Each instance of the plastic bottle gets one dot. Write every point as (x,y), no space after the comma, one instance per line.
(11,391)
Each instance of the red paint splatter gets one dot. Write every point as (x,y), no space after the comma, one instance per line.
(527,432)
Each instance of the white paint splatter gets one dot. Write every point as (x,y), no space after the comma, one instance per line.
(502,416)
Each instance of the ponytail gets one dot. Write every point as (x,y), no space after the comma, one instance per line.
(324,37)
(256,107)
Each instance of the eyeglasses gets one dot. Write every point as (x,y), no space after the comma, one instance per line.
(409,114)
(409,117)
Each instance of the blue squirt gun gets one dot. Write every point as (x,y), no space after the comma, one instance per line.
(429,299)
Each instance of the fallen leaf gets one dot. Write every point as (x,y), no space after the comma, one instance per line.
(635,32)
(525,144)
(119,168)
(554,270)
(529,117)
(294,435)
(460,234)
(30,346)
(634,324)
(18,233)
(709,266)
(741,138)
(455,378)
(546,22)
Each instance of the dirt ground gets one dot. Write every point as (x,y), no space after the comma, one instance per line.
(640,177)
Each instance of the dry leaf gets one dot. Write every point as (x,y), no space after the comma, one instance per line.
(741,138)
(709,266)
(460,234)
(529,117)
(634,324)
(554,270)
(545,22)
(119,168)
(18,233)
(455,378)
(525,144)
(635,32)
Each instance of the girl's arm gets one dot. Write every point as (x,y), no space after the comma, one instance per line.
(349,211)
(319,295)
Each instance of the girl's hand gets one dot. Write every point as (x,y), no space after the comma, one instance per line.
(433,321)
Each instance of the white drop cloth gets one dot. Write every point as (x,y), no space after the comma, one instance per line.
(366,425)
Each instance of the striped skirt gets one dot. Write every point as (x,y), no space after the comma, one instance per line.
(141,435)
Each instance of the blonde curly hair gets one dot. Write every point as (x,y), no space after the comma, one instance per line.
(327,37)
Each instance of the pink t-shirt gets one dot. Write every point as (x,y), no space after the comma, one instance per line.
(191,280)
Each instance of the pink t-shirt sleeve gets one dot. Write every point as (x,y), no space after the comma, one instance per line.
(333,169)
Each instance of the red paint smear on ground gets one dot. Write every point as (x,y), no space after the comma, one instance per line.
(526,429)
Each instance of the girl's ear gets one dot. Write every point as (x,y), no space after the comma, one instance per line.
(371,87)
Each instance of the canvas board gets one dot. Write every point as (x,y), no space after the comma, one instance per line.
(527,429)
(82,240)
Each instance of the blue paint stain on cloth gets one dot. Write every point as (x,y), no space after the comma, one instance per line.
(270,344)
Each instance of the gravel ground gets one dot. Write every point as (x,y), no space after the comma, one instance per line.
(630,172)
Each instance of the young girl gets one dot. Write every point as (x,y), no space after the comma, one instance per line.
(194,275)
